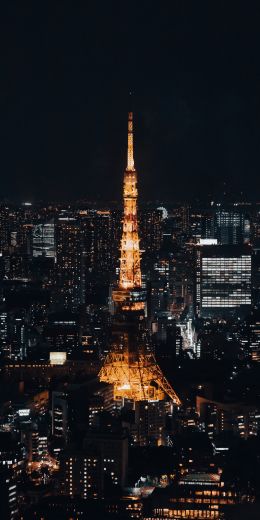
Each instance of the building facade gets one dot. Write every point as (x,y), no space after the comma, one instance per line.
(223,280)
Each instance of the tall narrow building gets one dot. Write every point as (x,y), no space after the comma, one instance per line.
(130,365)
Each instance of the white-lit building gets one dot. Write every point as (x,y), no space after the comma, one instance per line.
(223,280)
(60,415)
(44,240)
(8,491)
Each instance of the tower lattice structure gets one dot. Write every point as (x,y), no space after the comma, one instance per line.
(130,365)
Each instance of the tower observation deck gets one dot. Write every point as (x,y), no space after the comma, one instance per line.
(130,366)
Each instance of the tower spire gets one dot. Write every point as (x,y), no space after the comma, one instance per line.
(130,270)
(130,144)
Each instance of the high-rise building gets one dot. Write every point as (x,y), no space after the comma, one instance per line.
(100,238)
(150,421)
(4,228)
(4,344)
(229,227)
(33,444)
(44,240)
(160,285)
(112,447)
(69,278)
(223,280)
(62,333)
(256,274)
(254,336)
(151,229)
(81,473)
(60,430)
(130,365)
(242,419)
(16,229)
(99,465)
(12,455)
(8,489)
(18,335)
(99,230)
(167,337)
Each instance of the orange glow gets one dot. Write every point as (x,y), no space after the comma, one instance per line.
(136,377)
(132,369)
(130,270)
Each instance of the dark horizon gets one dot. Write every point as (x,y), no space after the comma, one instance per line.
(66,74)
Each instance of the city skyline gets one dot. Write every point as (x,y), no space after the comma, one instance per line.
(130,261)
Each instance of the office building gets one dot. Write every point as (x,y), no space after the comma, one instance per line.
(240,419)
(62,334)
(151,230)
(196,495)
(44,240)
(150,422)
(112,447)
(60,430)
(223,281)
(230,227)
(8,490)
(69,280)
(81,473)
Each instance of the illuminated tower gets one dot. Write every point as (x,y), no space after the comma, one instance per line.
(130,270)
(130,365)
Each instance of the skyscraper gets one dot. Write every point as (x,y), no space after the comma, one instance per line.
(44,240)
(223,280)
(81,473)
(69,292)
(130,366)
(229,227)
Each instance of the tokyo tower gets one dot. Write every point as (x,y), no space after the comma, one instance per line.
(130,366)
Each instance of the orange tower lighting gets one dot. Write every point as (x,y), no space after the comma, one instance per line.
(130,270)
(130,365)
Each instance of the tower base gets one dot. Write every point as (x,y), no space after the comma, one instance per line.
(136,377)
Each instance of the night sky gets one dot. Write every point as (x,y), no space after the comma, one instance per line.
(66,70)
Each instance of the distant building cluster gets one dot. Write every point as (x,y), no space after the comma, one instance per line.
(64,439)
